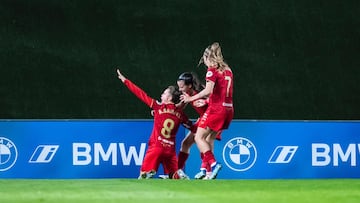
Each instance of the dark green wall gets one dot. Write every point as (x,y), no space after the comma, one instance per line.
(291,59)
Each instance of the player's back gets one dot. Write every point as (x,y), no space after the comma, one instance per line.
(167,120)
(223,90)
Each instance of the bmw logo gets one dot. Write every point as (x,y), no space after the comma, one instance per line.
(8,154)
(239,154)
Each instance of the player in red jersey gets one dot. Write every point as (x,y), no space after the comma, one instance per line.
(220,111)
(167,120)
(190,84)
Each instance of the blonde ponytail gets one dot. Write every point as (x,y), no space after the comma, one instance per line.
(215,55)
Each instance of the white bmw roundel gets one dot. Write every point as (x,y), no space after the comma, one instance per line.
(239,154)
(8,154)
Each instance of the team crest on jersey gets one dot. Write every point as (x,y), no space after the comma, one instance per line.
(209,74)
(239,154)
(8,154)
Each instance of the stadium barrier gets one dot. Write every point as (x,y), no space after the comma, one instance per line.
(115,149)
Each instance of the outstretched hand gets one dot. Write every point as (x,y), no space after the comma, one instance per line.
(120,76)
(185,98)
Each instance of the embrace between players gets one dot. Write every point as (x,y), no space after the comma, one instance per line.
(214,105)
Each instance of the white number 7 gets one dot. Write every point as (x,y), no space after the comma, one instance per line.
(228,78)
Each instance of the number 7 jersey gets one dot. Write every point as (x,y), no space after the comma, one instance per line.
(222,94)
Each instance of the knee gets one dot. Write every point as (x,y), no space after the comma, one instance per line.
(186,144)
(198,138)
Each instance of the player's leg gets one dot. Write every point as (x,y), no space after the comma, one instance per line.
(204,147)
(150,163)
(214,165)
(184,152)
(210,139)
(170,165)
(219,122)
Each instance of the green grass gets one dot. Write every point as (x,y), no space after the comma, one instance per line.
(173,191)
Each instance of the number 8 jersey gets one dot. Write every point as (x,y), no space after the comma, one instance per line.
(167,119)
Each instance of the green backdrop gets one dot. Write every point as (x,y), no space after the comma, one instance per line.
(291,59)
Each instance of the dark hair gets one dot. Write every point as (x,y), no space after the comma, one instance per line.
(187,78)
(191,78)
(175,93)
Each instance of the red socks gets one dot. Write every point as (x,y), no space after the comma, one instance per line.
(208,159)
(182,157)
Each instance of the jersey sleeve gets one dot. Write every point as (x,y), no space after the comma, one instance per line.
(211,74)
(141,94)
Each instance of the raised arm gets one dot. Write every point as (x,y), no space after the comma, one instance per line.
(121,76)
(141,94)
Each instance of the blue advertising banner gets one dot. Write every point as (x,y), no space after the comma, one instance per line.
(73,149)
(115,149)
(286,149)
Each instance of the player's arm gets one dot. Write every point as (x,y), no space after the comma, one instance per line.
(186,122)
(141,94)
(202,94)
(180,105)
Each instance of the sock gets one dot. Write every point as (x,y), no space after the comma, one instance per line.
(208,168)
(209,158)
(204,163)
(182,157)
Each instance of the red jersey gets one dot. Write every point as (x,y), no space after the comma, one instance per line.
(167,119)
(220,111)
(199,105)
(222,95)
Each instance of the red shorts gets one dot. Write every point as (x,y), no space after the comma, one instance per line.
(216,119)
(155,156)
(196,124)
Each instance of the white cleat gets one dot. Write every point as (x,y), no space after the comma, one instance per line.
(147,175)
(182,175)
(164,176)
(215,170)
(200,175)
